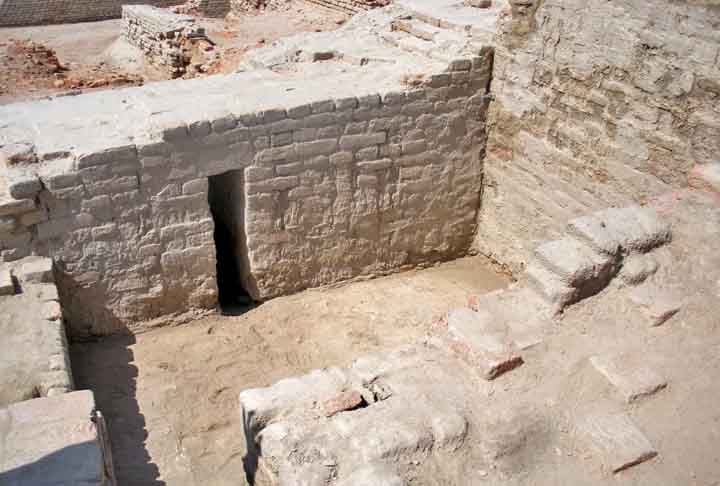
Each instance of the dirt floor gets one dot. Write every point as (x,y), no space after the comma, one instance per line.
(170,395)
(42,61)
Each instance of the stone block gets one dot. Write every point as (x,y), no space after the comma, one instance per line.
(280,139)
(550,287)
(341,158)
(346,104)
(275,154)
(478,3)
(317,147)
(273,185)
(305,134)
(13,207)
(299,112)
(23,186)
(256,174)
(629,375)
(195,186)
(374,165)
(616,439)
(273,115)
(629,229)
(574,263)
(260,406)
(484,341)
(113,155)
(34,217)
(37,270)
(289,169)
(284,126)
(223,124)
(369,101)
(7,287)
(657,303)
(54,440)
(323,106)
(384,435)
(638,268)
(199,129)
(365,180)
(367,153)
(355,142)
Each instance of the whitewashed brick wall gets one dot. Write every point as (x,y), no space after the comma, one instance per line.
(333,189)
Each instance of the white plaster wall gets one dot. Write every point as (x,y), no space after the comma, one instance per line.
(334,189)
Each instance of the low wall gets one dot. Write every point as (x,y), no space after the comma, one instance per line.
(596,103)
(350,6)
(213,8)
(333,188)
(39,12)
(162,36)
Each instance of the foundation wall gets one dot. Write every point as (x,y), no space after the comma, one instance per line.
(333,189)
(161,35)
(596,103)
(39,12)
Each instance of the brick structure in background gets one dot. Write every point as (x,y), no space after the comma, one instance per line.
(620,110)
(164,37)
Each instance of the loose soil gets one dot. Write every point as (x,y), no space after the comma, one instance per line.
(170,395)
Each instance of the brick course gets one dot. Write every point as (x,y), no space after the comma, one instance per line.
(353,186)
(39,12)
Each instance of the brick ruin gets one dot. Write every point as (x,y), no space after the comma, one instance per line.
(165,38)
(417,133)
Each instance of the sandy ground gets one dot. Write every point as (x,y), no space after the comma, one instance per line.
(170,395)
(93,56)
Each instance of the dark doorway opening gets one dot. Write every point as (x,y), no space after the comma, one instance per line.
(227,205)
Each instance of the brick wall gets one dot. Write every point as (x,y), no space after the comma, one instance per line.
(161,35)
(332,189)
(39,12)
(597,103)
(214,8)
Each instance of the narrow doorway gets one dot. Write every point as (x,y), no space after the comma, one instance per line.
(227,205)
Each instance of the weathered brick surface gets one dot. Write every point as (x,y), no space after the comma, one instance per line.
(164,38)
(331,189)
(55,440)
(591,114)
(37,12)
(34,356)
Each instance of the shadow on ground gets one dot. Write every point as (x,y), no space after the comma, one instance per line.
(106,367)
